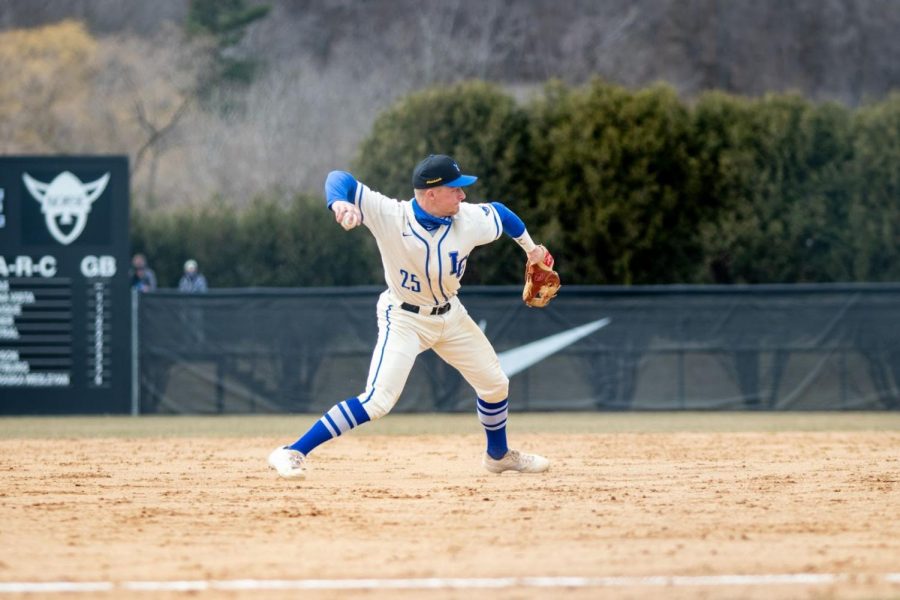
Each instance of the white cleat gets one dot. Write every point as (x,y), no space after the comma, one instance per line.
(516,461)
(288,463)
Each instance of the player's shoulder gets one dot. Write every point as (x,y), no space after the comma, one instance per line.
(383,202)
(476,211)
(481,219)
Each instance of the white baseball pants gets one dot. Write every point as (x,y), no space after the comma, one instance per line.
(454,336)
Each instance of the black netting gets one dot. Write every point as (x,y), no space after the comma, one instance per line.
(665,348)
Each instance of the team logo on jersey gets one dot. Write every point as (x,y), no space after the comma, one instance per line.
(457,264)
(65,202)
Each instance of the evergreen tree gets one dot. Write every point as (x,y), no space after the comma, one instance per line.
(225,23)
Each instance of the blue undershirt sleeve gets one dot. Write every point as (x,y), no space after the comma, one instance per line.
(340,185)
(512,224)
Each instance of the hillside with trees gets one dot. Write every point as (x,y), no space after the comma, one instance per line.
(655,141)
(323,71)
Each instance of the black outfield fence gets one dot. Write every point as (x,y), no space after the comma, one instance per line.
(765,347)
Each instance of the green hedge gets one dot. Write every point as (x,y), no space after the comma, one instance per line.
(617,184)
(625,186)
(269,244)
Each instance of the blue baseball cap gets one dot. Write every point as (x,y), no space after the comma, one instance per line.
(438,170)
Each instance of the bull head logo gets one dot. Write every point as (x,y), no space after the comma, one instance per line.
(64,200)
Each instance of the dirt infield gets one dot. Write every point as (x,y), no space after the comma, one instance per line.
(386,507)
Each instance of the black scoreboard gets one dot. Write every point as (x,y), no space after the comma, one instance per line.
(65,299)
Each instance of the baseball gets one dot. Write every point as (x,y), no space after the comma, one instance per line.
(349,220)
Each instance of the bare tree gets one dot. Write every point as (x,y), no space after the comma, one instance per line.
(143,95)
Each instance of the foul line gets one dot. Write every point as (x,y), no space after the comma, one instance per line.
(436,583)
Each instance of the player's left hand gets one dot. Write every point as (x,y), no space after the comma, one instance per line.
(536,255)
(541,281)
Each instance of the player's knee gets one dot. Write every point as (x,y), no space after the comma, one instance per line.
(378,405)
(375,410)
(497,392)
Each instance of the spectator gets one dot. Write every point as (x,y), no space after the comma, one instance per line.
(193,281)
(143,279)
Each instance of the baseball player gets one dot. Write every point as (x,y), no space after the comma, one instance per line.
(424,243)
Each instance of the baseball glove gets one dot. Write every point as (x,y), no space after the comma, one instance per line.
(541,282)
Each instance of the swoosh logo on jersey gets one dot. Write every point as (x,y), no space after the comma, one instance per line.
(516,360)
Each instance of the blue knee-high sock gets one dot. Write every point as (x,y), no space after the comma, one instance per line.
(342,417)
(493,418)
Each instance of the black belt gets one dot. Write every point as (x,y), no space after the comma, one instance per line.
(435,310)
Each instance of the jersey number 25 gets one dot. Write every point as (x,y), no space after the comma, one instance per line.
(410,281)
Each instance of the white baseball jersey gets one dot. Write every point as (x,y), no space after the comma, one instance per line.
(425,267)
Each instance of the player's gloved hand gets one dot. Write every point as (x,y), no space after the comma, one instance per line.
(346,213)
(541,281)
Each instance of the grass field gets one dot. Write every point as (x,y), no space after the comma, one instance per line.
(636,505)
